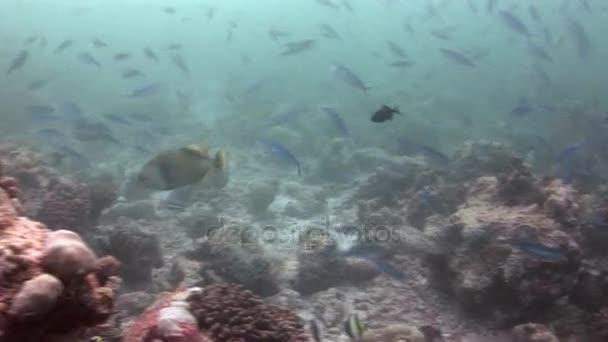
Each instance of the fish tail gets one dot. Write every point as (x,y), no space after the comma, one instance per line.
(365,89)
(220,162)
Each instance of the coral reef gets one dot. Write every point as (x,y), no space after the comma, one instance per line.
(504,278)
(137,250)
(324,268)
(222,312)
(251,270)
(231,313)
(531,332)
(49,285)
(55,200)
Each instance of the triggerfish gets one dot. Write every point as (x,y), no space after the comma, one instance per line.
(174,169)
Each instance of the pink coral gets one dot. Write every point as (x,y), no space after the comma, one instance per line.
(35,304)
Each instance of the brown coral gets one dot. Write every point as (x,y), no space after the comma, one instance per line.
(34,304)
(231,313)
(66,206)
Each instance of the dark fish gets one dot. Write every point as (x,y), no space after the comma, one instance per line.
(121,56)
(210,13)
(534,14)
(130,73)
(346,4)
(37,84)
(527,106)
(66,151)
(180,64)
(433,154)
(353,327)
(539,52)
(396,50)
(88,59)
(349,77)
(72,110)
(174,46)
(585,6)
(150,54)
(50,133)
(457,57)
(41,112)
(116,118)
(145,90)
(230,33)
(407,26)
(285,117)
(31,39)
(329,32)
(276,35)
(336,120)
(401,64)
(254,86)
(490,4)
(514,23)
(569,151)
(442,34)
(18,62)
(298,46)
(328,3)
(539,250)
(384,113)
(169,10)
(279,151)
(98,43)
(174,169)
(64,45)
(581,38)
(315,330)
(388,269)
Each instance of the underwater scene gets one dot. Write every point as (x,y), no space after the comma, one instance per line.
(303,170)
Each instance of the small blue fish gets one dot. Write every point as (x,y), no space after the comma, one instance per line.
(335,118)
(145,90)
(18,62)
(433,154)
(568,152)
(457,57)
(130,73)
(65,150)
(116,118)
(285,117)
(41,112)
(37,84)
(387,268)
(255,86)
(72,110)
(88,59)
(349,77)
(277,150)
(514,23)
(539,250)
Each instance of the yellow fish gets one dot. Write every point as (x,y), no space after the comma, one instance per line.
(97,339)
(174,169)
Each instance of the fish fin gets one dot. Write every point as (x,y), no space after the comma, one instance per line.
(220,162)
(201,151)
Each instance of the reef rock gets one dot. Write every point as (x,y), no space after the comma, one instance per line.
(51,283)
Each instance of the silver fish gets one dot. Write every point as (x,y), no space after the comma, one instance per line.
(88,59)
(145,90)
(349,77)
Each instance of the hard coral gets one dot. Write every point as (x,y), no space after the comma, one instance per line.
(66,206)
(490,275)
(33,304)
(232,314)
(138,251)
